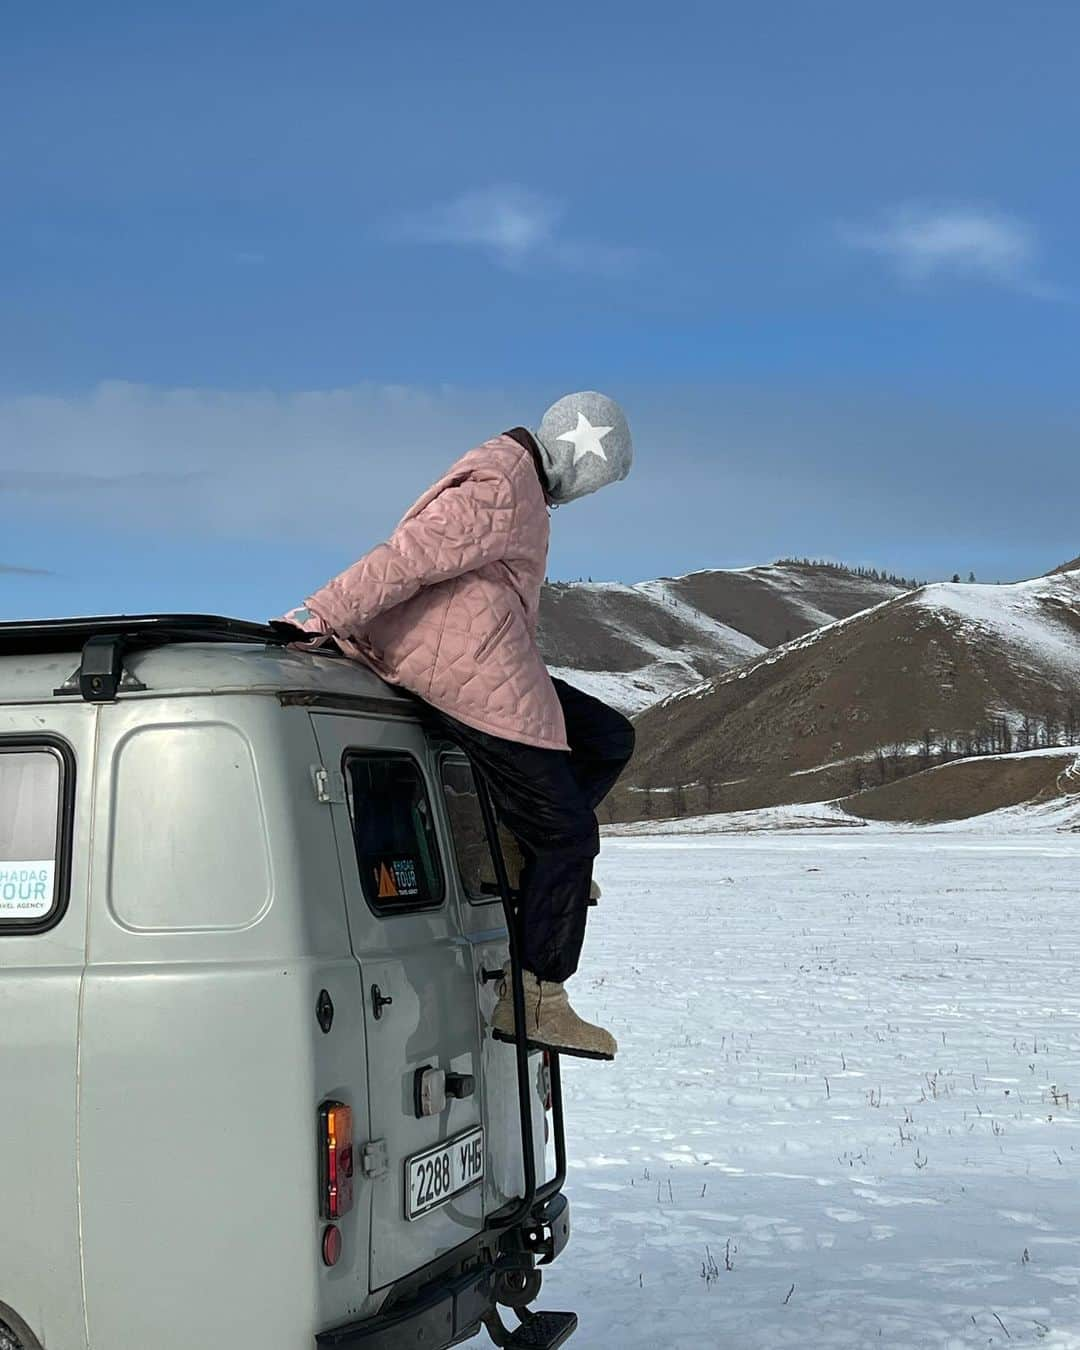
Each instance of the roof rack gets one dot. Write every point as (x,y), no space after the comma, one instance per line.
(105,640)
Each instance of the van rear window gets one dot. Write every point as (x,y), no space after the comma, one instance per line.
(475,865)
(396,846)
(31,793)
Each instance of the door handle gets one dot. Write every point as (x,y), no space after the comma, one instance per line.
(379,1001)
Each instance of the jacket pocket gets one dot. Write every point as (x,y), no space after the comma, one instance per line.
(493,637)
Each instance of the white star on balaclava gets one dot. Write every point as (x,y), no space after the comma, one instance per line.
(586,438)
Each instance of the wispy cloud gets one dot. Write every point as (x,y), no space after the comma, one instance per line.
(9,570)
(923,243)
(34,483)
(509,222)
(342,463)
(515,227)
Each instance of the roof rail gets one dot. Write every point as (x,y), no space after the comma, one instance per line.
(104,640)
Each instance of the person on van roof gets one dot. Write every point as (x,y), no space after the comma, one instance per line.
(447,607)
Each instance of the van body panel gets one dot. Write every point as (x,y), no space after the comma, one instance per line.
(422,960)
(40,980)
(200,1177)
(40,1276)
(162,1057)
(200,904)
(212,1000)
(201,668)
(166,824)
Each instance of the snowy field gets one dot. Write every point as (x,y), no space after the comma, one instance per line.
(846,1109)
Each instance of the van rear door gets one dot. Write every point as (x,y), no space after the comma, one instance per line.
(423,1164)
(484,922)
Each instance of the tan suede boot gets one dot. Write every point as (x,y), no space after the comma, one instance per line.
(551,1023)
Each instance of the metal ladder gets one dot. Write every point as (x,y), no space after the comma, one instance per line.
(535,1194)
(540,1205)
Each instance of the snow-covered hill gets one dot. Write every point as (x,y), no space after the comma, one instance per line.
(1037,622)
(634,644)
(910,682)
(667,643)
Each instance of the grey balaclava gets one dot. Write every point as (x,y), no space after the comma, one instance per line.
(584,445)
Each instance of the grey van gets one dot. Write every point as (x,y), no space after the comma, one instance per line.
(253,912)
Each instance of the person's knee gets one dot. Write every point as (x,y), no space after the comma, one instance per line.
(570,826)
(623,739)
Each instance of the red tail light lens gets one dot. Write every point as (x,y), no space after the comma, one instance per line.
(331,1246)
(335,1159)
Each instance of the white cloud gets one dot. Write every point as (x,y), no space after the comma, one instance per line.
(342,464)
(515,227)
(923,242)
(510,222)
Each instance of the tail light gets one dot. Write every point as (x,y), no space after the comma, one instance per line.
(335,1160)
(331,1245)
(545,1080)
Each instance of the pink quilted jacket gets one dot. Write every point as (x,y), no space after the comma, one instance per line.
(447,607)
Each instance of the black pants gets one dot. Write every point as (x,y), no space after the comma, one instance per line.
(547,799)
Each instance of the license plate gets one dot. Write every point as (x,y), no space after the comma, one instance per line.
(435,1176)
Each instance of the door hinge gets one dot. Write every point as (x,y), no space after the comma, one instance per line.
(329,785)
(374,1159)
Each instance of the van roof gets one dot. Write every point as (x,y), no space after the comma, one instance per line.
(46,660)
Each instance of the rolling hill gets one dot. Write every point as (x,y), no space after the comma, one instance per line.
(918,678)
(634,644)
(972,787)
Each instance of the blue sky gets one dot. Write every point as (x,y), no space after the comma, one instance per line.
(266,270)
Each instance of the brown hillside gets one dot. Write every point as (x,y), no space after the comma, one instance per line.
(776,604)
(969,787)
(804,722)
(590,626)
(634,644)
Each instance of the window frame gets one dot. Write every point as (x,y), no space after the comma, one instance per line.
(398,911)
(65,807)
(478,900)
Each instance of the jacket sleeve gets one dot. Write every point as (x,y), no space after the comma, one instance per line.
(468,524)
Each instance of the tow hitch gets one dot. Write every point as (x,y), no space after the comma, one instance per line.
(549,1231)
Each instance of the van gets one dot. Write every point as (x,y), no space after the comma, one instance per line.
(253,917)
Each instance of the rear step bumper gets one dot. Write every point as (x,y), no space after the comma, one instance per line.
(441,1315)
(452,1309)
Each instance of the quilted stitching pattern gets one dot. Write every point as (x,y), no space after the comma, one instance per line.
(448,605)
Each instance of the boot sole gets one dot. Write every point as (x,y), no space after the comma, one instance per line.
(507,1039)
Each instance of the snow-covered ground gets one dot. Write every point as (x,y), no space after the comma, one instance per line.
(846,1109)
